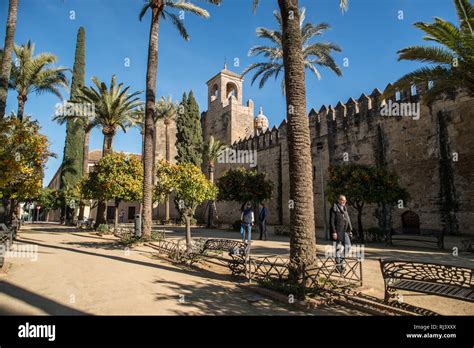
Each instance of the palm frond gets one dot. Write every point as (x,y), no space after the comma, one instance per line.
(436,55)
(144,10)
(255,4)
(179,25)
(314,54)
(188,7)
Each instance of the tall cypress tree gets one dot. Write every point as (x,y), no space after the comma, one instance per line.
(180,128)
(73,149)
(189,132)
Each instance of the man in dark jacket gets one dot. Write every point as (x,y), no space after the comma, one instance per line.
(262,221)
(341,230)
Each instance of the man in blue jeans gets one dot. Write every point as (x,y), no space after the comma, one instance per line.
(262,221)
(247,219)
(341,231)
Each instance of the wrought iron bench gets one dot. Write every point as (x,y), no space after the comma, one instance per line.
(85,224)
(238,251)
(430,278)
(429,236)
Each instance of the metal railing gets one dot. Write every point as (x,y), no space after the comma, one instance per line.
(327,273)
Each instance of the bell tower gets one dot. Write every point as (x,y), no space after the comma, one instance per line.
(226,118)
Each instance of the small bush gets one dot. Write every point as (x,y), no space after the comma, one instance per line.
(129,239)
(374,234)
(157,235)
(103,228)
(285,287)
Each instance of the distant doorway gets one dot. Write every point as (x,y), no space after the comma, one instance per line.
(110,213)
(411,222)
(131,213)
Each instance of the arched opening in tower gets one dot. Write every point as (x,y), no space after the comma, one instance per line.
(231,90)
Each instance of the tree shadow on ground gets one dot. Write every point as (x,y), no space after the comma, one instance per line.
(49,230)
(174,267)
(105,245)
(91,235)
(47,305)
(213,299)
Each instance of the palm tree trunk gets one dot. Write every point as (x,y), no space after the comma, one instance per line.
(85,166)
(167,143)
(7,55)
(168,158)
(210,217)
(102,206)
(143,144)
(302,225)
(21,107)
(152,68)
(107,147)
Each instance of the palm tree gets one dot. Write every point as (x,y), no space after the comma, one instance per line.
(316,54)
(165,110)
(160,9)
(452,60)
(211,151)
(302,226)
(113,108)
(5,68)
(35,75)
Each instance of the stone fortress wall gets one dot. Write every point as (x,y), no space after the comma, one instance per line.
(433,155)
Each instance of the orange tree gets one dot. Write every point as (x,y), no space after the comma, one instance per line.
(190,186)
(48,199)
(363,185)
(117,177)
(243,185)
(23,156)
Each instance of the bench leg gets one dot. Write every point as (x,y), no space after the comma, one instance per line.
(237,266)
(390,293)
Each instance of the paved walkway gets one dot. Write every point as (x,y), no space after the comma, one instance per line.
(81,273)
(372,277)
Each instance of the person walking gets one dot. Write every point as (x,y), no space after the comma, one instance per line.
(262,221)
(122,216)
(341,231)
(247,219)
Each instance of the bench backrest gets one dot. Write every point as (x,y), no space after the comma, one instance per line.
(226,245)
(427,272)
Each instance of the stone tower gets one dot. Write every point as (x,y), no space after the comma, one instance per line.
(226,118)
(261,123)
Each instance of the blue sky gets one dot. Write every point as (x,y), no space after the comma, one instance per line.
(370,34)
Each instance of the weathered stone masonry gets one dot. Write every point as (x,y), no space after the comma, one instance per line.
(433,156)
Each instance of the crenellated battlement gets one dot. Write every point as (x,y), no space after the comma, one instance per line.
(382,126)
(340,117)
(353,111)
(269,138)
